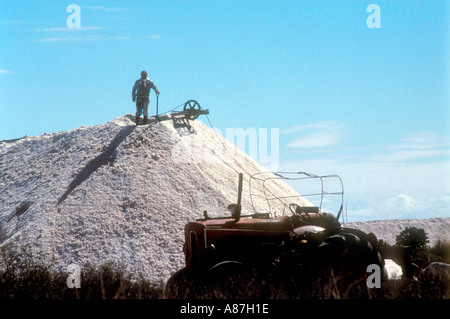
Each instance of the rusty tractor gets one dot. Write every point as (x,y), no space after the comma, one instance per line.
(293,249)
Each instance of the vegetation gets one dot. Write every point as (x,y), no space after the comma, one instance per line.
(420,254)
(440,252)
(26,276)
(413,237)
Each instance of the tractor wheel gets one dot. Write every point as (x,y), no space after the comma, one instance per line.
(185,285)
(342,261)
(176,286)
(223,281)
(232,279)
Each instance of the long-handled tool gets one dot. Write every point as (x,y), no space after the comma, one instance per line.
(157,102)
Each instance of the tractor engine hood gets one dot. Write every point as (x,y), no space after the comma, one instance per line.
(303,230)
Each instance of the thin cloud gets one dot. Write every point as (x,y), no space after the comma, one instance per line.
(300,128)
(392,207)
(152,37)
(11,22)
(3,71)
(71,39)
(97,37)
(128,37)
(407,155)
(416,145)
(404,179)
(105,9)
(316,135)
(70,34)
(422,140)
(68,29)
(316,140)
(382,190)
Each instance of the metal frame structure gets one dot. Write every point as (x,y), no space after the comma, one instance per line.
(269,196)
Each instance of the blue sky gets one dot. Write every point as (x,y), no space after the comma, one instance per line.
(369,104)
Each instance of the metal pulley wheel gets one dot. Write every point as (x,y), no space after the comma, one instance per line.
(192,109)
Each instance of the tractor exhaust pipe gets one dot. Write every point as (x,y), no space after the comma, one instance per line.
(241,178)
(236,208)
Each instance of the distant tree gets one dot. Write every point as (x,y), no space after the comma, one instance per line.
(416,238)
(440,252)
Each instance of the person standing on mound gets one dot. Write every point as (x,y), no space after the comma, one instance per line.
(141,95)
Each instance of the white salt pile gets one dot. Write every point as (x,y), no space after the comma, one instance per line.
(119,192)
(435,228)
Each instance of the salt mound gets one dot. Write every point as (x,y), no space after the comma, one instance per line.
(120,192)
(435,228)
(117,192)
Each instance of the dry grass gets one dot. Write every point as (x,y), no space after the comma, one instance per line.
(248,287)
(23,276)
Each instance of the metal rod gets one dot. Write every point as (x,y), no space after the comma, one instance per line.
(241,177)
(157,102)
